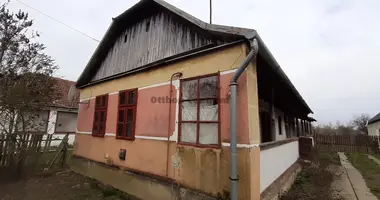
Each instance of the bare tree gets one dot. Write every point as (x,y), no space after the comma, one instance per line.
(26,84)
(360,122)
(337,129)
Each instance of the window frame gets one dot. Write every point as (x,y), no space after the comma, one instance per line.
(127,107)
(198,121)
(99,110)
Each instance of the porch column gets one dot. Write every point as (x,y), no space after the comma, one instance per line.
(311,128)
(306,127)
(298,127)
(271,115)
(303,128)
(295,126)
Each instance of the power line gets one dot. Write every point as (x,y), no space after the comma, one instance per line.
(56,20)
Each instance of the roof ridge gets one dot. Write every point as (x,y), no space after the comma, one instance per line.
(374,118)
(248,33)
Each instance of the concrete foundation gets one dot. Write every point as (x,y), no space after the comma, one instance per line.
(144,186)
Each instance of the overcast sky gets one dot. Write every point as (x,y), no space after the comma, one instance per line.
(328,48)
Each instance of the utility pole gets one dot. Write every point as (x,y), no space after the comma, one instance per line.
(210,11)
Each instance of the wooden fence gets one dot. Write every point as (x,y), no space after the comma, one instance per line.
(12,146)
(348,143)
(26,154)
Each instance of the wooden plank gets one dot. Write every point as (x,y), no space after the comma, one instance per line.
(348,143)
(46,143)
(4,158)
(49,140)
(2,139)
(153,38)
(5,152)
(39,143)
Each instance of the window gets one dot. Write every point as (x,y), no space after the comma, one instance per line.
(279,125)
(125,38)
(199,111)
(100,116)
(126,118)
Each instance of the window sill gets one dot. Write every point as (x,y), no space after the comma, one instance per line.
(125,138)
(210,146)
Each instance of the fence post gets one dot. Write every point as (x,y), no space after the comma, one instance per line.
(1,147)
(5,152)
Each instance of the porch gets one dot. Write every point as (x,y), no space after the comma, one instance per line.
(283,113)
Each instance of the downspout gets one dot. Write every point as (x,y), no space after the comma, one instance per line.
(233,146)
(178,74)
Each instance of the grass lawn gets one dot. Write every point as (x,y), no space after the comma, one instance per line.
(314,181)
(369,170)
(377,156)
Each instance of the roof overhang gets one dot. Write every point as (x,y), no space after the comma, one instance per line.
(226,31)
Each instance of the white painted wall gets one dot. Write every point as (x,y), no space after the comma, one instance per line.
(275,161)
(53,116)
(66,122)
(277,112)
(374,128)
(51,122)
(60,137)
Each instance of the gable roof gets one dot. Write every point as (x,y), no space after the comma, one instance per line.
(63,86)
(146,7)
(374,119)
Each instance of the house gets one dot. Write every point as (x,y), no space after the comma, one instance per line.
(63,113)
(373,125)
(172,107)
(60,117)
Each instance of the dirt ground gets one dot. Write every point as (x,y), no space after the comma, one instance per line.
(59,186)
(315,179)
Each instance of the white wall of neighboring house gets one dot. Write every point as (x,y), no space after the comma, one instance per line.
(51,122)
(36,121)
(63,122)
(275,161)
(374,128)
(57,139)
(66,122)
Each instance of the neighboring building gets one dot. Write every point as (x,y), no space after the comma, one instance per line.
(60,117)
(374,125)
(154,117)
(63,113)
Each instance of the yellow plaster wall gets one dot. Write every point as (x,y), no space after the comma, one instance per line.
(220,60)
(197,173)
(253,103)
(201,169)
(253,127)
